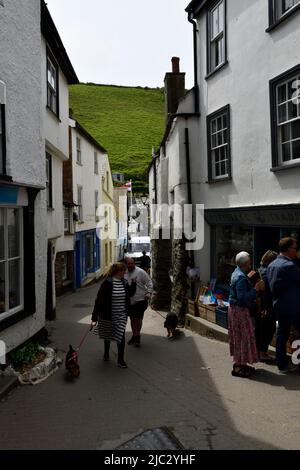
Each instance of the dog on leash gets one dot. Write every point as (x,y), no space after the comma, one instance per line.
(72,363)
(170,324)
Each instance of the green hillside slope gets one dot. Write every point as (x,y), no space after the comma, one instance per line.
(128,122)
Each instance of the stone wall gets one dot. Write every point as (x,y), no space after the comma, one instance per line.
(180,285)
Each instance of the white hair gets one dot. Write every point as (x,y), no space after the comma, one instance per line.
(242,258)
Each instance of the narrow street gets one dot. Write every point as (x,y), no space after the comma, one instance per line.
(166,385)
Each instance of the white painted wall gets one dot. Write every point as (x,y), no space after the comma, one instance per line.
(20,59)
(255,57)
(84,175)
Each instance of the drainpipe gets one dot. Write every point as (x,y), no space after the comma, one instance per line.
(190,199)
(155,179)
(196,85)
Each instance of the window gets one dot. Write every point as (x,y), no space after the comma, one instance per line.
(49,180)
(285,109)
(2,130)
(89,252)
(106,254)
(79,202)
(110,252)
(52,84)
(96,166)
(78,151)
(66,220)
(218,138)
(11,262)
(107,181)
(96,205)
(280,9)
(64,266)
(216,37)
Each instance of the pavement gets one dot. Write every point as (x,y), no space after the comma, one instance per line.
(184,385)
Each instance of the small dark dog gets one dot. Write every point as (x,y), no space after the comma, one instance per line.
(72,364)
(171,323)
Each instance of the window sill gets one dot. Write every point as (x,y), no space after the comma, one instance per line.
(282,19)
(275,169)
(13,319)
(53,113)
(219,180)
(210,74)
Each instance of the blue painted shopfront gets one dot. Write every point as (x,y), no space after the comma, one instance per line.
(87,251)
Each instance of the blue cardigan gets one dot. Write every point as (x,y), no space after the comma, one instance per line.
(241,291)
(284,280)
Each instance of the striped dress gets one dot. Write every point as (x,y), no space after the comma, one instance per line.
(114,330)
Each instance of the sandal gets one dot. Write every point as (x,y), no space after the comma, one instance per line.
(240,371)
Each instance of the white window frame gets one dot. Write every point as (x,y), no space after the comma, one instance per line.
(215,39)
(278,8)
(52,88)
(10,312)
(96,164)
(67,225)
(287,123)
(79,202)
(78,151)
(215,145)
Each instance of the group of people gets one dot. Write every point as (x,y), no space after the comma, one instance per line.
(257,302)
(126,291)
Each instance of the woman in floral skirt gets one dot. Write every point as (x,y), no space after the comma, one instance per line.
(240,327)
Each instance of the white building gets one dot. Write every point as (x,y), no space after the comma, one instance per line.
(83,183)
(121,208)
(239,129)
(23,235)
(57,73)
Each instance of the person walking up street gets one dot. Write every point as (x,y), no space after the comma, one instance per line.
(139,301)
(284,280)
(111,311)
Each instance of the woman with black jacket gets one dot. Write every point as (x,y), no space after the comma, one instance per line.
(111,310)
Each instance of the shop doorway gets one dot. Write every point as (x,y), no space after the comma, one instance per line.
(265,238)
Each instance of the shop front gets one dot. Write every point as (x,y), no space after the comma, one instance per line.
(248,229)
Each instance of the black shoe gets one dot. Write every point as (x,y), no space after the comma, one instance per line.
(106,357)
(122,365)
(131,341)
(137,341)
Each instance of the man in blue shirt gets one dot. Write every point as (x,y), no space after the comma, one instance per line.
(284,280)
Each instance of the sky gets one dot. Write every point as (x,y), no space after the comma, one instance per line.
(125,42)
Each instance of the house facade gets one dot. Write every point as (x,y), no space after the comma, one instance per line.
(121,211)
(83,184)
(57,74)
(107,224)
(23,234)
(233,143)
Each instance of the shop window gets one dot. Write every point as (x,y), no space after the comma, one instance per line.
(285,105)
(216,37)
(11,262)
(229,241)
(52,84)
(89,252)
(218,148)
(279,10)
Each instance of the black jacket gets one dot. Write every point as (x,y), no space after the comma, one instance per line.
(103,303)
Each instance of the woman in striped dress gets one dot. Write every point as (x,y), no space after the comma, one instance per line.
(111,311)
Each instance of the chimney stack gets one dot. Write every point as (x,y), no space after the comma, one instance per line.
(174,87)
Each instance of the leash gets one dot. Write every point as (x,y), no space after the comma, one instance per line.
(84,338)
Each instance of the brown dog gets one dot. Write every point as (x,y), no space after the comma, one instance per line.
(72,364)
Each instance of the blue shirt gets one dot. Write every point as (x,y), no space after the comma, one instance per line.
(241,291)
(284,280)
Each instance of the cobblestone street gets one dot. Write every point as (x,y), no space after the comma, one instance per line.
(167,384)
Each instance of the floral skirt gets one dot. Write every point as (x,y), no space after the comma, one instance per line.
(241,336)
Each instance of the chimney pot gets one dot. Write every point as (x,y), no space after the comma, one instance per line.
(175,65)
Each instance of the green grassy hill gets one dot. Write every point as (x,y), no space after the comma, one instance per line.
(128,122)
